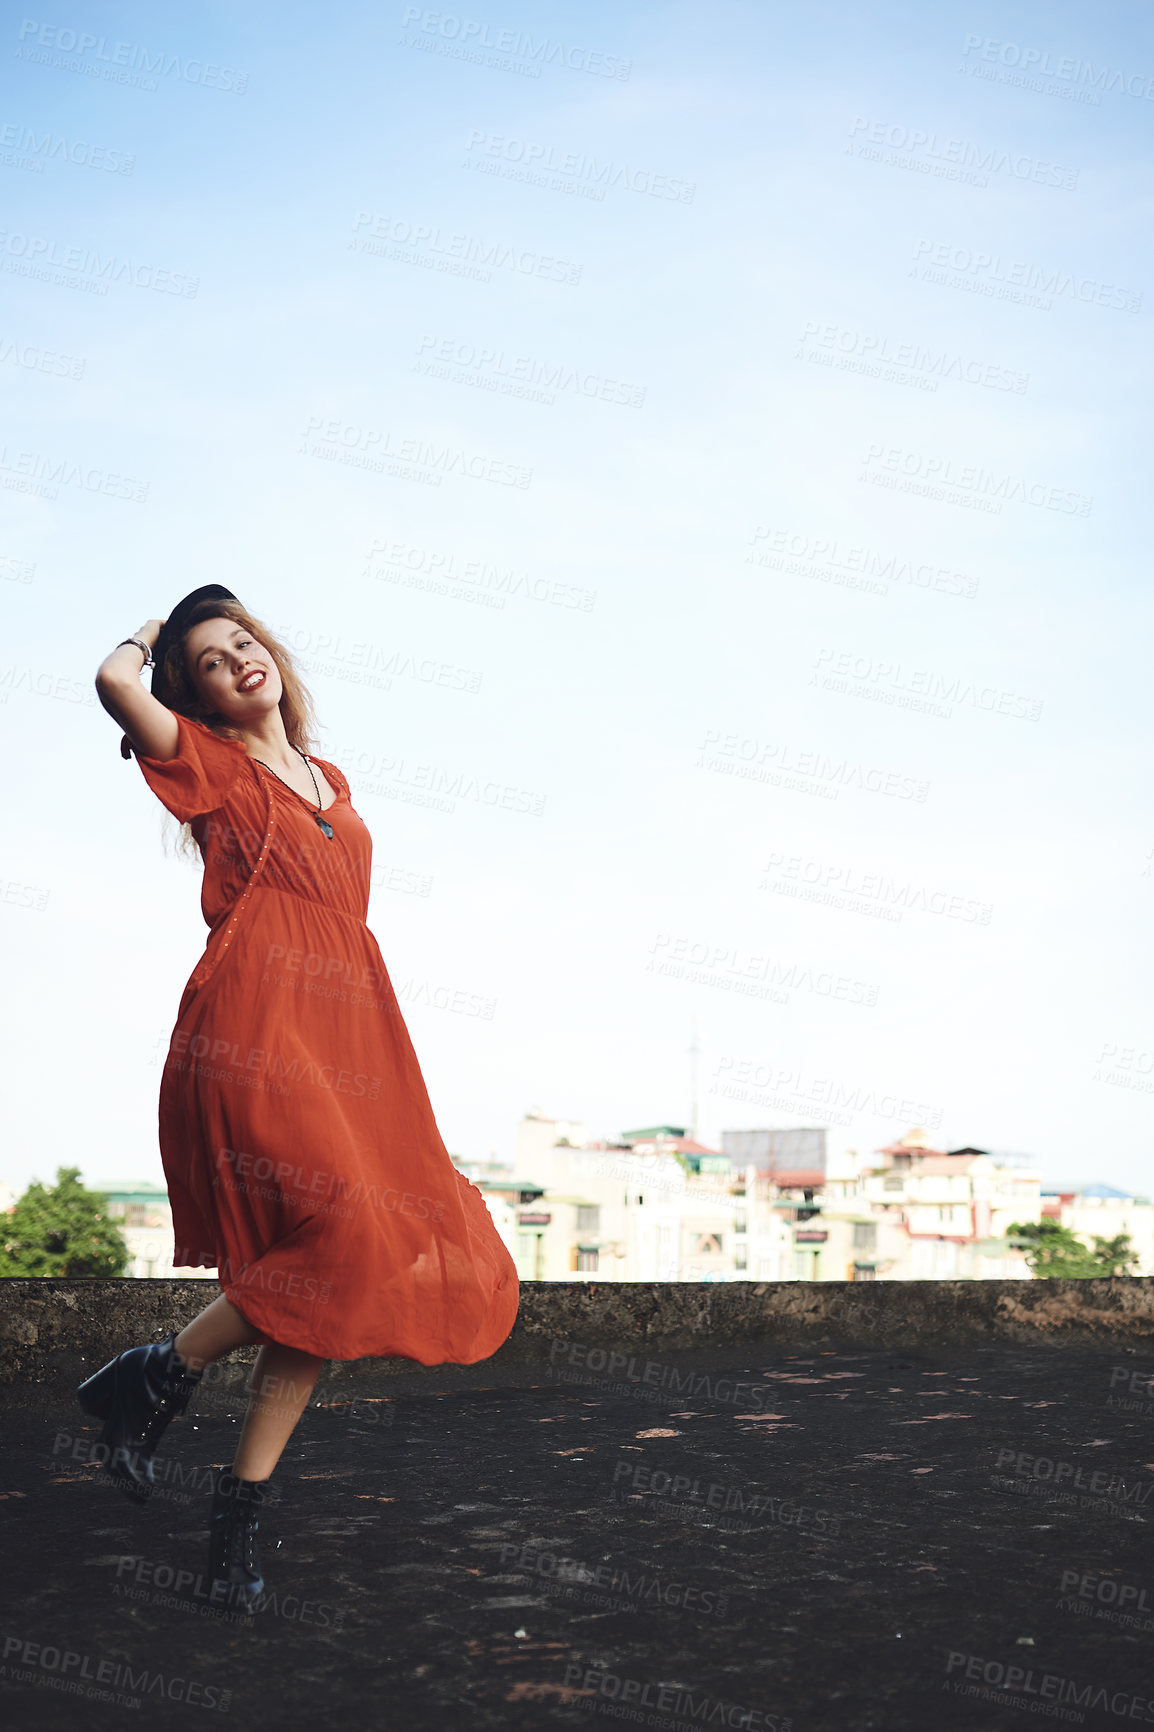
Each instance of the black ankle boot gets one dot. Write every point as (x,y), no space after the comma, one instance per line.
(136,1395)
(235,1578)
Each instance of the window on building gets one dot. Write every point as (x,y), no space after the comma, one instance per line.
(865,1236)
(525,1244)
(586,1262)
(893,1183)
(709,1245)
(588,1217)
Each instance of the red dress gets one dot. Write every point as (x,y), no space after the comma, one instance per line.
(303,1160)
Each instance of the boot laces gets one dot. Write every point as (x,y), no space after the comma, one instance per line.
(240,1539)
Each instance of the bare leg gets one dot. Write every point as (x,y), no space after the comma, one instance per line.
(283,1378)
(216,1331)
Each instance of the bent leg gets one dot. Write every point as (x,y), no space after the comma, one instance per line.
(216,1331)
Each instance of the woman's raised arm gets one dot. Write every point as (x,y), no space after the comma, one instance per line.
(150,726)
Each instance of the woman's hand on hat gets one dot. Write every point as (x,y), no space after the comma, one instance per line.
(150,631)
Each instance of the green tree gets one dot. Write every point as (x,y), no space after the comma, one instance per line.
(1115,1256)
(61,1230)
(1055,1252)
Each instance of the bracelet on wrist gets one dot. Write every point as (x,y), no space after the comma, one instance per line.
(141,645)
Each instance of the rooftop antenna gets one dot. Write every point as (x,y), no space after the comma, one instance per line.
(693,1049)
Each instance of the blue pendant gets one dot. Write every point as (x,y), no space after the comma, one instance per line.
(325,825)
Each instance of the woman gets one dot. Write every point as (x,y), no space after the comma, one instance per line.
(303,1160)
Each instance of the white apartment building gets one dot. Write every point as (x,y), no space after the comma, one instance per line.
(657,1206)
(653,1206)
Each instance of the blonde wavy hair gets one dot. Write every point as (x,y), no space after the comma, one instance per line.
(176,690)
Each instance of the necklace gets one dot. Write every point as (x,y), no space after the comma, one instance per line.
(322,823)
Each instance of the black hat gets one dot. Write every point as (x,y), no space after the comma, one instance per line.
(172,629)
(175,625)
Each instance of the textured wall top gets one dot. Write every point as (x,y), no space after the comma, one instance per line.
(51,1332)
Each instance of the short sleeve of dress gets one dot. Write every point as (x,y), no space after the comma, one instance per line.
(200,776)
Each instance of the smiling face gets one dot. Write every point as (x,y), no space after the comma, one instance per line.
(234,674)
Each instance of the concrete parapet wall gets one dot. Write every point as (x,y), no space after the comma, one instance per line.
(52,1333)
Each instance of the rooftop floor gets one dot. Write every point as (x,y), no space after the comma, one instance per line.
(833,1540)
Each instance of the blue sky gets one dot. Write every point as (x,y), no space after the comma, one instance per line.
(765,390)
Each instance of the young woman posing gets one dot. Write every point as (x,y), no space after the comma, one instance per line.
(303,1160)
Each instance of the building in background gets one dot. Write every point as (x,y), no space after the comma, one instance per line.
(953,1209)
(772,1205)
(655,1204)
(143,1214)
(772,1151)
(1101,1211)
